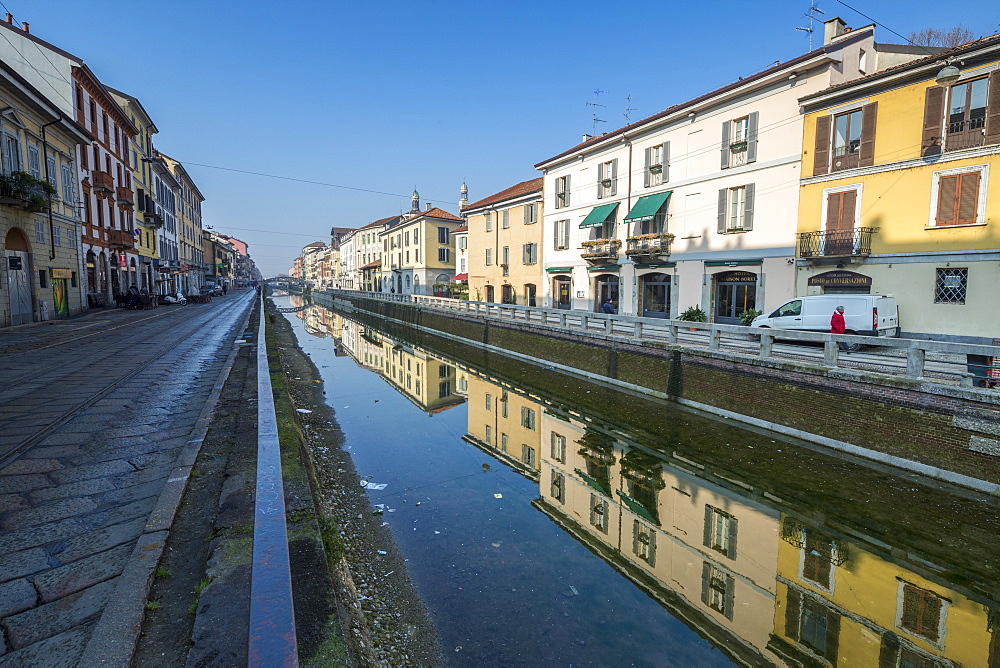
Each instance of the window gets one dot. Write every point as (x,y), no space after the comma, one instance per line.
(444,254)
(607,179)
(847,140)
(11,154)
(406,238)
(863,62)
(489,435)
(442,235)
(462,266)
(812,625)
(504,403)
(950,286)
(530,213)
(958,198)
(444,389)
(506,218)
(504,441)
(530,254)
(599,512)
(791,308)
(921,612)
(527,418)
(530,291)
(559,487)
(720,531)
(849,137)
(505,263)
(561,234)
(67,183)
(443,371)
(562,192)
(559,448)
(967,114)
(489,221)
(818,556)
(463,242)
(736,209)
(70,237)
(644,542)
(489,401)
(717,588)
(528,455)
(39,232)
(56,236)
(656,164)
(43,278)
(34,164)
(50,170)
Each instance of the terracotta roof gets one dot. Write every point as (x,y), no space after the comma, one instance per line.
(315,244)
(439,213)
(372,265)
(522,188)
(940,56)
(380,222)
(707,96)
(463,228)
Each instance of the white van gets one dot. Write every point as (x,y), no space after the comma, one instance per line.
(865,315)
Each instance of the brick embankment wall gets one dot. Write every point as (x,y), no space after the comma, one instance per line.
(940,430)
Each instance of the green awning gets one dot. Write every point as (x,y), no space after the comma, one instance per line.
(636,507)
(599,215)
(559,270)
(646,208)
(593,482)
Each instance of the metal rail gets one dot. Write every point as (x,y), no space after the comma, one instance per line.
(911,358)
(272,640)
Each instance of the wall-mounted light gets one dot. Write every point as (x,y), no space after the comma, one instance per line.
(948,75)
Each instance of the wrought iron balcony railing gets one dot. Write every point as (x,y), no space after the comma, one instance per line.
(649,245)
(838,243)
(601,251)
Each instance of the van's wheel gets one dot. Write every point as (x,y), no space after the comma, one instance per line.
(851,347)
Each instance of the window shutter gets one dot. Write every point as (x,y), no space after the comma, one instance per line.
(993,109)
(566,233)
(821,148)
(832,637)
(723,195)
(706,536)
(524,254)
(748,208)
(614,177)
(752,137)
(645,173)
(888,654)
(725,144)
(730,597)
(731,552)
(793,604)
(635,523)
(600,178)
(833,207)
(651,560)
(665,157)
(566,198)
(932,140)
(947,197)
(706,575)
(525,212)
(968,197)
(866,157)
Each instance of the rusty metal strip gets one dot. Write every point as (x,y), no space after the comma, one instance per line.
(272,639)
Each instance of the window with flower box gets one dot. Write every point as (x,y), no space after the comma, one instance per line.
(657,164)
(739,141)
(607,179)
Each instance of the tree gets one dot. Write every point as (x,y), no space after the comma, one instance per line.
(946,38)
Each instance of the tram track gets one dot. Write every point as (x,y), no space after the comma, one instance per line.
(185,333)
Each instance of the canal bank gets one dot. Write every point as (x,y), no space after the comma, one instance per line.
(939,430)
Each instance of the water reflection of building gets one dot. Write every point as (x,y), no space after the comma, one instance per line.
(707,557)
(505,424)
(842,604)
(427,381)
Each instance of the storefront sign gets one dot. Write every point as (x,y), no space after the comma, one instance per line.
(840,278)
(736,277)
(62,273)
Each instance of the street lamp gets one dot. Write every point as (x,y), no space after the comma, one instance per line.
(948,75)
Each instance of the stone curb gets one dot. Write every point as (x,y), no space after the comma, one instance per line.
(116,633)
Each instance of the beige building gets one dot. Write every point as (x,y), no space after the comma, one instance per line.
(504,424)
(40,274)
(504,245)
(189,229)
(417,255)
(427,381)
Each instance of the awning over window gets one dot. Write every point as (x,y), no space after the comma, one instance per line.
(646,208)
(599,215)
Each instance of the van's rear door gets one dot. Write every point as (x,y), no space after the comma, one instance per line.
(888,316)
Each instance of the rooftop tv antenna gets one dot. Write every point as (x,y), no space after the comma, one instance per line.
(812,16)
(595,105)
(629,108)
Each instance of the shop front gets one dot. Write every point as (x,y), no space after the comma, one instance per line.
(654,295)
(606,286)
(734,292)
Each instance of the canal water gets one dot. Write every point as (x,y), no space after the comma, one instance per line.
(551,521)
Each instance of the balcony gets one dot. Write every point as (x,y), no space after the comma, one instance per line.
(649,247)
(838,243)
(102,181)
(601,251)
(125,196)
(147,207)
(121,239)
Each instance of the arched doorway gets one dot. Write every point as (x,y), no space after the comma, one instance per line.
(735,292)
(91,272)
(606,287)
(655,295)
(17,267)
(562,296)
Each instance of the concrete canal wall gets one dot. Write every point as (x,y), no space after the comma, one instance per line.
(941,430)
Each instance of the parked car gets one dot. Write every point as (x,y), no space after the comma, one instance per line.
(864,315)
(212,288)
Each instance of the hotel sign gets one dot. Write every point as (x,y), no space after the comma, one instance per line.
(840,278)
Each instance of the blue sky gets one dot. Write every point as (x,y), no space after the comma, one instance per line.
(385,96)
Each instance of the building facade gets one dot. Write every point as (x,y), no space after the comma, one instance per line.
(416,252)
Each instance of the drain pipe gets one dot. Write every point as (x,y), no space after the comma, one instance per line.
(48,178)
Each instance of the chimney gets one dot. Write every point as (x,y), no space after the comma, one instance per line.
(832,29)
(586,137)
(10,18)
(428,206)
(24,25)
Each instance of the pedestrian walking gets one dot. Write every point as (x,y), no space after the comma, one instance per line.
(225,289)
(608,307)
(838,326)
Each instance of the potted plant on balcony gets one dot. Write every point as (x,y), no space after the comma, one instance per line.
(606,183)
(738,146)
(655,169)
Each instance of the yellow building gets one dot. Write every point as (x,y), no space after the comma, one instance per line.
(505,245)
(901,172)
(417,256)
(427,381)
(838,604)
(505,424)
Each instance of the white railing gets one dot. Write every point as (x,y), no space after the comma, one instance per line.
(911,358)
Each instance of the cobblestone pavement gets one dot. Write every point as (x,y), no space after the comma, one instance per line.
(99,425)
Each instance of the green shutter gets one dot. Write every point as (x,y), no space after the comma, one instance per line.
(748,208)
(723,195)
(725,144)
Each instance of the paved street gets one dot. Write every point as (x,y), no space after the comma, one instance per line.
(100,420)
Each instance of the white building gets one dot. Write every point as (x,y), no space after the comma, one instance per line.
(695,205)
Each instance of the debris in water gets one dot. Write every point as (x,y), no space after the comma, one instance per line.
(382,553)
(302,410)
(374,485)
(417,503)
(437,533)
(498,496)
(486,467)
